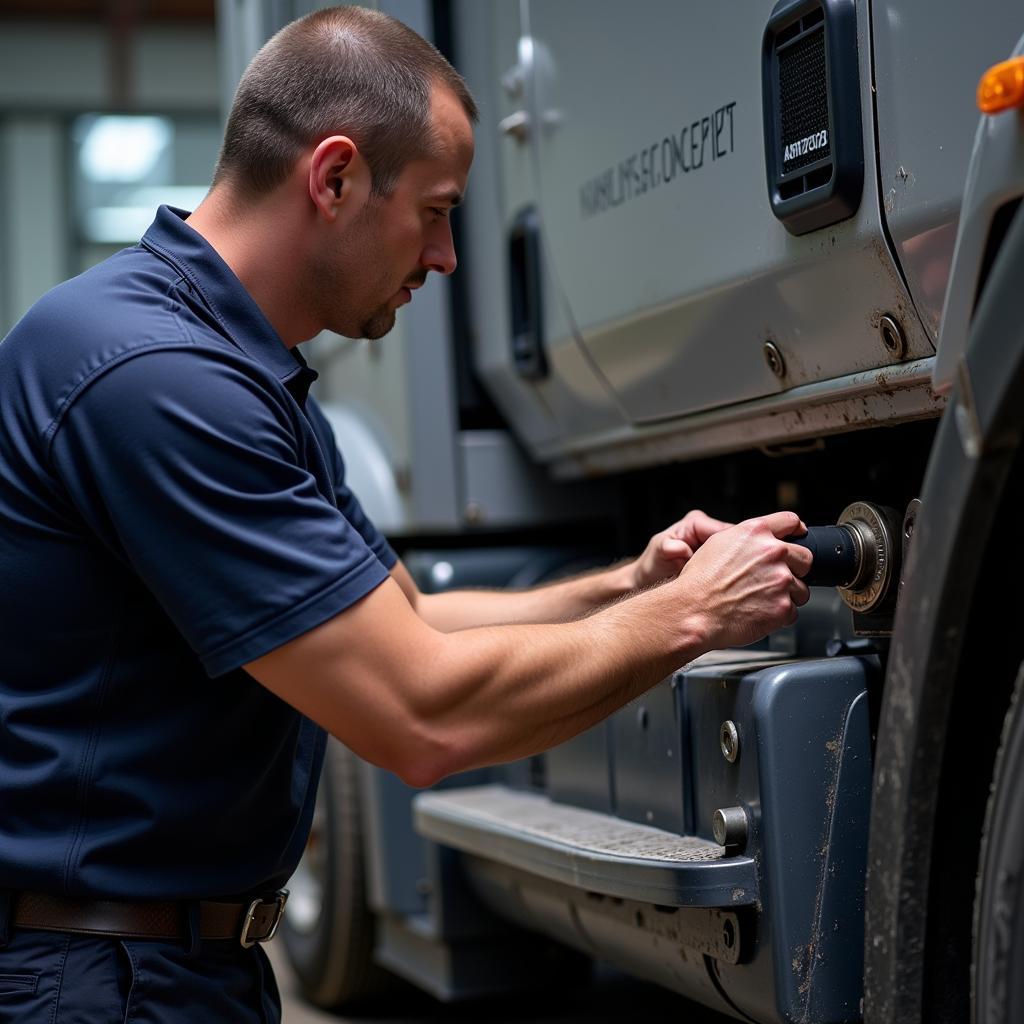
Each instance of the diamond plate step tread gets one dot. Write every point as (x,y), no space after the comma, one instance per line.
(592,851)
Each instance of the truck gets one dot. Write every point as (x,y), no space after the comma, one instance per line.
(738,257)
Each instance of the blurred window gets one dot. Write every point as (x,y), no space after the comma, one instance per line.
(126,165)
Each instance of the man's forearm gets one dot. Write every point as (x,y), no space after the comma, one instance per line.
(426,704)
(553,602)
(551,681)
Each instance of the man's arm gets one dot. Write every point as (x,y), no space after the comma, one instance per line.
(550,602)
(425,703)
(664,556)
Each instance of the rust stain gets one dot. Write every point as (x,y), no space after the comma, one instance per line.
(803,959)
(798,959)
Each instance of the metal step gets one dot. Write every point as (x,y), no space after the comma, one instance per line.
(591,851)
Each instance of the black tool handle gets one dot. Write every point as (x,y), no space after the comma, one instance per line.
(835,555)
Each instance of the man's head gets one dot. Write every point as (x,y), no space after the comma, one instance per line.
(342,70)
(353,120)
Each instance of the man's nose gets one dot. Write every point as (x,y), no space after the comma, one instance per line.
(439,254)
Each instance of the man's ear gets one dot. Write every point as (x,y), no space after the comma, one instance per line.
(339,178)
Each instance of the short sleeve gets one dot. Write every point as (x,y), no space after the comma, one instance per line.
(348,503)
(201,474)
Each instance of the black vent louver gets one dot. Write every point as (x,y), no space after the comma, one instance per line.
(814,150)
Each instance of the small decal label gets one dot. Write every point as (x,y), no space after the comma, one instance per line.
(808,144)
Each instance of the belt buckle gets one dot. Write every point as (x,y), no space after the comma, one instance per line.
(278,900)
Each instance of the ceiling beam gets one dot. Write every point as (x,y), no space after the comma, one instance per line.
(100,10)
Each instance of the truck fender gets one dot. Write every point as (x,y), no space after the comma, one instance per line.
(981,361)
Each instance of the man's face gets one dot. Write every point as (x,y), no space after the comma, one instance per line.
(396,240)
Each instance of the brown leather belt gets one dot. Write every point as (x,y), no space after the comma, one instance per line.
(248,923)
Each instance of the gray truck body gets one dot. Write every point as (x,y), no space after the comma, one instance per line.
(631,141)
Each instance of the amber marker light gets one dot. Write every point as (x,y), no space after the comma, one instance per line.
(1002,87)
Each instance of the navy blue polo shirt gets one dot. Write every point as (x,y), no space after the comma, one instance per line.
(172,506)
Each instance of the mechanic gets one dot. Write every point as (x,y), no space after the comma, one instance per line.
(192,595)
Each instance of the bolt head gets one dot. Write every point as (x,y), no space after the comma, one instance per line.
(729,826)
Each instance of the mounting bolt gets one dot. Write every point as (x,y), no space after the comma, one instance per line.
(729,738)
(730,826)
(773,357)
(892,336)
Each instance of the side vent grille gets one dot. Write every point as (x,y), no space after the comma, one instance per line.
(812,122)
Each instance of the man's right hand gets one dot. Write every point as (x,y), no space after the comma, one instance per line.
(745,581)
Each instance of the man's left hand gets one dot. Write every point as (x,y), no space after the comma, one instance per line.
(667,552)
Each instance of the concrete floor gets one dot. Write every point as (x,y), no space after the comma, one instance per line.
(610,998)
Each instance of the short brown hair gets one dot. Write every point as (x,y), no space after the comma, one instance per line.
(341,70)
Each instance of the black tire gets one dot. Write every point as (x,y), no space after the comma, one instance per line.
(329,940)
(998,958)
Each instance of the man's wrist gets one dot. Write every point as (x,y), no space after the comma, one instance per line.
(620,580)
(659,623)
(688,632)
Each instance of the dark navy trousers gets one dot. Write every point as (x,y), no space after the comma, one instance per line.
(51,978)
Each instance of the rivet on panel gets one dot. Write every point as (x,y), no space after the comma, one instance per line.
(773,357)
(729,739)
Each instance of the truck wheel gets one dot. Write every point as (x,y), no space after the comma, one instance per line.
(328,928)
(998,981)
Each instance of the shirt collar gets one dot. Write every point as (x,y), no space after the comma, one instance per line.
(226,298)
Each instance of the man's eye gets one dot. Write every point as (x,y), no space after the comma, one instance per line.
(441,211)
